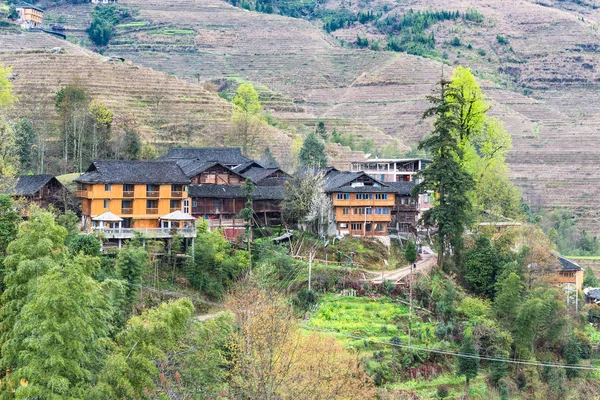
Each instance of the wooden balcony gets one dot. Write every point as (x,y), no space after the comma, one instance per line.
(126,211)
(174,209)
(156,233)
(128,194)
(176,194)
(82,194)
(151,210)
(152,194)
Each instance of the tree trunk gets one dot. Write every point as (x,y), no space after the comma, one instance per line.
(466,388)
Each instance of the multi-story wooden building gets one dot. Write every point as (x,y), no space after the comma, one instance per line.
(216,194)
(362,205)
(29,16)
(122,197)
(569,274)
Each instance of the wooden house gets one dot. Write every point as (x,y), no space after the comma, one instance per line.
(43,190)
(29,16)
(568,273)
(362,206)
(216,176)
(405,212)
(142,195)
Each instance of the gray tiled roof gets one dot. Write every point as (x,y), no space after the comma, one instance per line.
(257,174)
(225,155)
(568,265)
(402,188)
(236,192)
(143,172)
(335,182)
(28,185)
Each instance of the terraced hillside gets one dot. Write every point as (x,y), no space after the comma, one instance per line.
(162,107)
(548,54)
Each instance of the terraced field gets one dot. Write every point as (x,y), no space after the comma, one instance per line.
(551,54)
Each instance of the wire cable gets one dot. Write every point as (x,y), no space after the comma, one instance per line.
(451,353)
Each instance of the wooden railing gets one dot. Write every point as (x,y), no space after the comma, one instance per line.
(152,211)
(126,233)
(127,211)
(81,193)
(176,193)
(152,194)
(128,193)
(175,209)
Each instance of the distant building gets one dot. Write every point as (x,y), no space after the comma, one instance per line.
(29,16)
(43,190)
(568,273)
(394,171)
(364,206)
(120,198)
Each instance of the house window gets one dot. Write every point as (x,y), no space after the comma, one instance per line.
(345,211)
(368,211)
(343,196)
(186,206)
(368,227)
(107,187)
(358,211)
(356,227)
(381,196)
(152,206)
(194,203)
(106,204)
(127,206)
(364,196)
(382,211)
(175,205)
(379,227)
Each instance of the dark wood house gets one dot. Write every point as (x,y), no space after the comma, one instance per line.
(43,190)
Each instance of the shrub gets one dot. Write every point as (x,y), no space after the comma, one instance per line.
(304,299)
(501,39)
(455,42)
(442,391)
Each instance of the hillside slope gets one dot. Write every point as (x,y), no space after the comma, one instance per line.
(554,158)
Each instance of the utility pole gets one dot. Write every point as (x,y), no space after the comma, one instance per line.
(410,298)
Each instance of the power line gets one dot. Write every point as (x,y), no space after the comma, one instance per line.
(450,353)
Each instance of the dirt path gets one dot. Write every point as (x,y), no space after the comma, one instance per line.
(205,317)
(426,262)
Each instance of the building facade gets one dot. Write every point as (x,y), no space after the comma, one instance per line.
(29,16)
(43,190)
(362,206)
(142,195)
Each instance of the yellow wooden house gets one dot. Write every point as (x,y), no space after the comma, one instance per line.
(122,197)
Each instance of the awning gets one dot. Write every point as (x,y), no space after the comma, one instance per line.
(177,216)
(107,217)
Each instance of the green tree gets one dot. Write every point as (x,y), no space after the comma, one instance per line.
(541,318)
(216,264)
(26,141)
(9,220)
(100,120)
(130,265)
(468,366)
(72,107)
(481,266)
(148,152)
(572,354)
(321,131)
(300,191)
(446,176)
(130,371)
(9,161)
(89,245)
(247,118)
(508,299)
(39,246)
(589,278)
(64,323)
(132,144)
(312,153)
(410,252)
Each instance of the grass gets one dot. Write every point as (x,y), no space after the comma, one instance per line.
(174,32)
(427,389)
(132,24)
(584,257)
(376,319)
